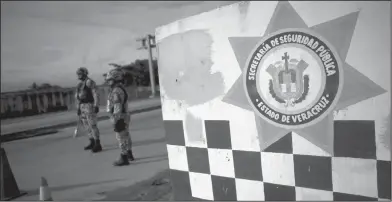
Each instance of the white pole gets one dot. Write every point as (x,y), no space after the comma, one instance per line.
(150,65)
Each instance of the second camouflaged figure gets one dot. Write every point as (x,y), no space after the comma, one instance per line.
(87,101)
(117,107)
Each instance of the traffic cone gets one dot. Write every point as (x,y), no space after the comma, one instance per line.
(44,191)
(8,187)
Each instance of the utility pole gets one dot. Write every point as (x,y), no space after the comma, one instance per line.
(148,43)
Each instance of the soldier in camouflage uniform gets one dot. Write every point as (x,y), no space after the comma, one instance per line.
(117,107)
(88,106)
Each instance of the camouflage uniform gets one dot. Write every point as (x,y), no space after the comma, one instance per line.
(117,107)
(87,104)
(88,116)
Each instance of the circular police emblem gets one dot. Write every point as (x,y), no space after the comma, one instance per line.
(293,78)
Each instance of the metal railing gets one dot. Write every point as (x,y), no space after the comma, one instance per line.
(20,104)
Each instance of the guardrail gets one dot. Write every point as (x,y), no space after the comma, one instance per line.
(20,104)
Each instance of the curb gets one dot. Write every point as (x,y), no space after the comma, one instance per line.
(54,128)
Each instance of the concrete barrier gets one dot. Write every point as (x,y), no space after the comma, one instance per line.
(278,101)
(21,128)
(21,104)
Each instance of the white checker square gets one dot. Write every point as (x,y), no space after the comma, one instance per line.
(194,130)
(355,176)
(178,159)
(221,162)
(201,186)
(305,194)
(171,109)
(278,168)
(243,132)
(249,190)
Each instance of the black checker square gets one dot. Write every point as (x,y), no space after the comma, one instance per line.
(181,185)
(350,197)
(384,179)
(224,188)
(247,165)
(218,134)
(174,132)
(282,146)
(274,192)
(355,139)
(314,172)
(198,160)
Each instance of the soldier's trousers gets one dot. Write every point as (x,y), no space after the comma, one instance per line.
(89,120)
(124,137)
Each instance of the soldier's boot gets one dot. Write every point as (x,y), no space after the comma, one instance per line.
(122,161)
(91,145)
(130,155)
(97,146)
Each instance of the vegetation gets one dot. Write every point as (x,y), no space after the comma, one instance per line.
(137,73)
(43,86)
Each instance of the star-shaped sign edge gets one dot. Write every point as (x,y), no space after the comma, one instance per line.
(356,88)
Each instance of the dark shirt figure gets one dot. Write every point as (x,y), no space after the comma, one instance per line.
(87,103)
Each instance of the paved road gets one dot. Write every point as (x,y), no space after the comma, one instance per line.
(46,120)
(74,174)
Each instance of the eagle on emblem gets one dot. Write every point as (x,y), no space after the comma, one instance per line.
(288,85)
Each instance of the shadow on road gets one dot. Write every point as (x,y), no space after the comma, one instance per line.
(136,144)
(150,157)
(62,188)
(149,127)
(155,159)
(53,140)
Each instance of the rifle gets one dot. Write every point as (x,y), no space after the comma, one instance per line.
(77,129)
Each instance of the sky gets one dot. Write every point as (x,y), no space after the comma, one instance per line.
(46,41)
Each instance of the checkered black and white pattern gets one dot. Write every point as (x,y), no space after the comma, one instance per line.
(283,171)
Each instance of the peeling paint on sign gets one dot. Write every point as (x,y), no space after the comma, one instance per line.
(193,127)
(386,133)
(185,68)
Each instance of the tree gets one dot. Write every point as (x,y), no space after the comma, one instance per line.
(43,86)
(142,66)
(137,73)
(33,86)
(131,74)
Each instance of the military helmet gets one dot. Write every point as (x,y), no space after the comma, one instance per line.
(82,70)
(115,74)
